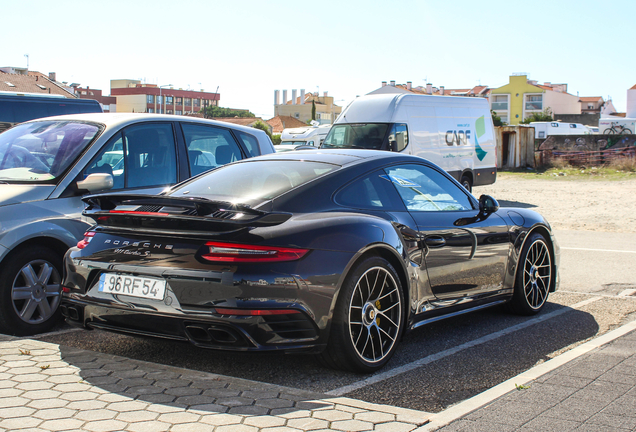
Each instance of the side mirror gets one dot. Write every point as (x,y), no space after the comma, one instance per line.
(96,182)
(488,204)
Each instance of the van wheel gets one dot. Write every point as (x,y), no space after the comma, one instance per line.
(465,181)
(30,291)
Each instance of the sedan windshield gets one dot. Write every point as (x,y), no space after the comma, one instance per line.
(356,135)
(253,182)
(42,151)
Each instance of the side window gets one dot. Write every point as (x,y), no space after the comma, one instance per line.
(209,147)
(371,192)
(424,189)
(251,143)
(110,161)
(399,137)
(149,155)
(139,156)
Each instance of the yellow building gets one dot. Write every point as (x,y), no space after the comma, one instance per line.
(521,97)
(300,107)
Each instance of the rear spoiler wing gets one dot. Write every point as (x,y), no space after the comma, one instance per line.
(176,213)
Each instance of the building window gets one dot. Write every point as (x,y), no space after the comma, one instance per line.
(178,112)
(297,115)
(197,102)
(500,102)
(169,100)
(534,102)
(590,106)
(151,110)
(179,101)
(169,111)
(150,99)
(188,101)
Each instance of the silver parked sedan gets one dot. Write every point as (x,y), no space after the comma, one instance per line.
(47,165)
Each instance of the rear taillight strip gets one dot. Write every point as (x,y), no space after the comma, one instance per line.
(255,312)
(242,253)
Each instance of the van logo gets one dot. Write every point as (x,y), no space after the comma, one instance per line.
(458,137)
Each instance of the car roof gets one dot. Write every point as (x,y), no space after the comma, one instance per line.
(338,156)
(123,119)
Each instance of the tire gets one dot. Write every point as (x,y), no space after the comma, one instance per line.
(534,277)
(368,320)
(30,291)
(467,183)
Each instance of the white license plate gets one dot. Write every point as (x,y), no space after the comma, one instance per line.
(135,286)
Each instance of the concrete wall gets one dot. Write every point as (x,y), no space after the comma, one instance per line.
(586,119)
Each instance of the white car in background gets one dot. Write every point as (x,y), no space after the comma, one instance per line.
(47,165)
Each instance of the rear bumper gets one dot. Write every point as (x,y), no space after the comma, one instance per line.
(293,332)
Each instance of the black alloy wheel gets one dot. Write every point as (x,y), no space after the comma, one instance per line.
(369,317)
(534,276)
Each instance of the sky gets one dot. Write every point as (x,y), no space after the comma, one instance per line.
(247,49)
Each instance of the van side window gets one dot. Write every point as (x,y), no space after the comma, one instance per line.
(399,137)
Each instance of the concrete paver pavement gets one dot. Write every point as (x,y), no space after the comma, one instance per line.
(47,387)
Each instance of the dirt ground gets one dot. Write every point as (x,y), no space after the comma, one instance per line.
(591,205)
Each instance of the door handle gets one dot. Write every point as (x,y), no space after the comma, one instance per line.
(435,241)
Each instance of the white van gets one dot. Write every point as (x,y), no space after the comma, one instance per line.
(310,135)
(454,132)
(542,130)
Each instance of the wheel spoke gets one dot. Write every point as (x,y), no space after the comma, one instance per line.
(44,308)
(386,295)
(387,335)
(29,275)
(29,308)
(21,293)
(45,274)
(388,319)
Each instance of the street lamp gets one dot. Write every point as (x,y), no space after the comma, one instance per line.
(162,110)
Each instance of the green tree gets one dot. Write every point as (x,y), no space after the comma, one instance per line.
(546,115)
(276,139)
(264,127)
(496,120)
(215,111)
(313,110)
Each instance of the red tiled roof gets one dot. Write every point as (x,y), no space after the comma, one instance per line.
(31,84)
(279,123)
(591,98)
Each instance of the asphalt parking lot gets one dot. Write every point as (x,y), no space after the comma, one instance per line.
(443,363)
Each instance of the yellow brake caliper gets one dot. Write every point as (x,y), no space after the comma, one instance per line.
(378,307)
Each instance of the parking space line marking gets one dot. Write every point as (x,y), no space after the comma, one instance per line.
(469,405)
(374,379)
(597,250)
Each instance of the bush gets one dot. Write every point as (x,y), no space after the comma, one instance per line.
(276,139)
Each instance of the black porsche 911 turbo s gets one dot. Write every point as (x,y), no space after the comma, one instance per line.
(335,252)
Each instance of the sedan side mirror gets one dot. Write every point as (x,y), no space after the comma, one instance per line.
(488,204)
(96,182)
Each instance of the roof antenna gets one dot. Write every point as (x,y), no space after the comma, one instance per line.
(27,56)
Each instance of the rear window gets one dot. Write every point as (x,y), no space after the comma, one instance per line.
(253,182)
